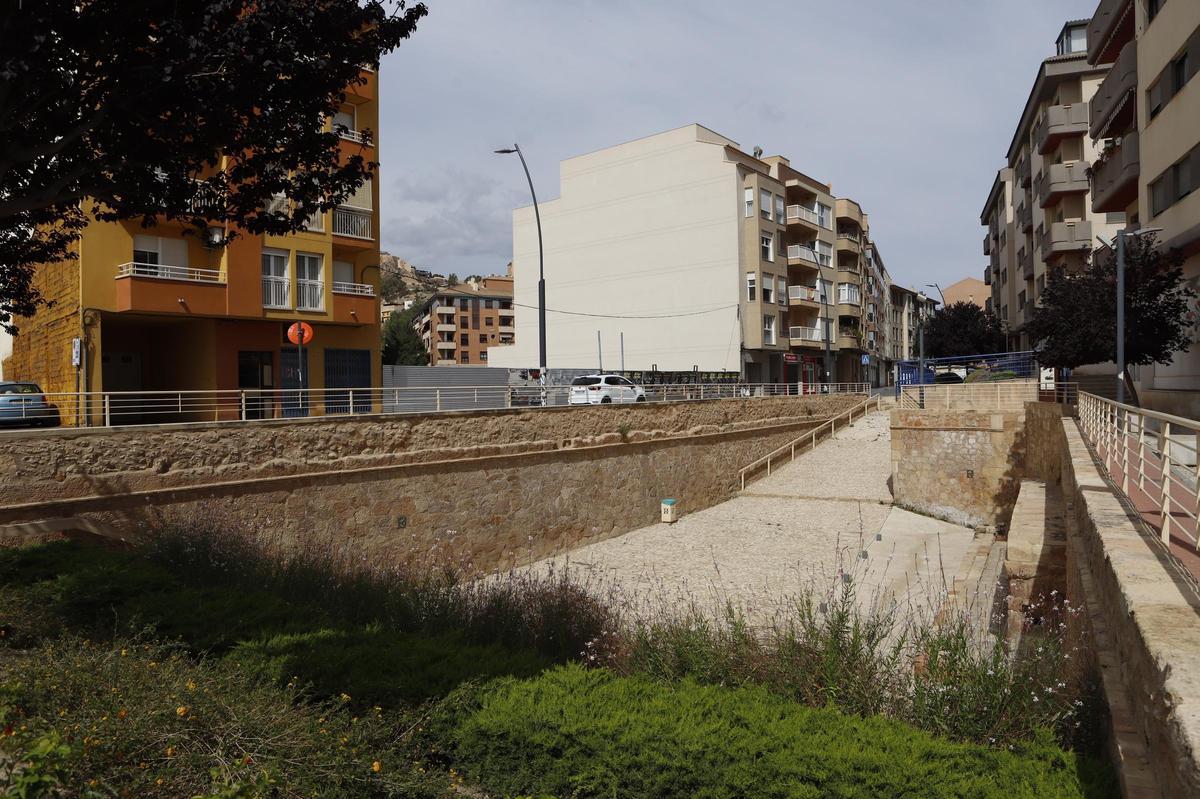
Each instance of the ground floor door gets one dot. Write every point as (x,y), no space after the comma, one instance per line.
(256,377)
(121,372)
(346,369)
(293,380)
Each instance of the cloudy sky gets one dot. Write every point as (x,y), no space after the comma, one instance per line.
(908,107)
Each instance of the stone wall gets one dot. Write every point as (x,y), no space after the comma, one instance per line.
(50,465)
(961,466)
(1043,440)
(491,511)
(42,348)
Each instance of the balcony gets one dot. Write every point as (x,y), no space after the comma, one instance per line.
(352,222)
(806,336)
(849,243)
(162,288)
(446,345)
(1065,237)
(445,310)
(1025,263)
(1113,105)
(987,276)
(506,330)
(1111,24)
(801,252)
(987,244)
(276,292)
(358,289)
(1058,122)
(799,215)
(1115,175)
(804,295)
(444,328)
(1060,179)
(850,339)
(1024,171)
(310,295)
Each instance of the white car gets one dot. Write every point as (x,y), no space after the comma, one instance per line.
(603,389)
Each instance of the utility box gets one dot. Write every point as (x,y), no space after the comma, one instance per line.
(670,511)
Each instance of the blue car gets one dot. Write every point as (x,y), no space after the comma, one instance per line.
(25,404)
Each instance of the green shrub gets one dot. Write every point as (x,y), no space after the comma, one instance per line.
(139,719)
(579,733)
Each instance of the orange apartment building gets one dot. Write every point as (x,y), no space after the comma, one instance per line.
(158,310)
(459,324)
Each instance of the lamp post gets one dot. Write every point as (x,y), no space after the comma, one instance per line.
(827,331)
(940,294)
(516,148)
(1120,247)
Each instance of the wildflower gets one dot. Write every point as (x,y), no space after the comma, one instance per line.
(191,686)
(345,697)
(181,711)
(124,652)
(158,781)
(376,767)
(122,713)
(170,751)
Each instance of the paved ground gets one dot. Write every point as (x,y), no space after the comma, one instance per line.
(796,530)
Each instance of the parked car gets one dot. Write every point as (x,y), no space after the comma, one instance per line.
(25,404)
(948,377)
(603,389)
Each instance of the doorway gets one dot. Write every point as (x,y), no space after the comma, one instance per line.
(256,377)
(293,379)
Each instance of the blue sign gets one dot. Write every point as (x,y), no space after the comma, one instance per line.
(866,359)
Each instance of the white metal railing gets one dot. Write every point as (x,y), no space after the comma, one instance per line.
(802,213)
(1151,457)
(803,333)
(310,294)
(352,135)
(114,408)
(353,222)
(807,293)
(999,395)
(315,222)
(809,439)
(169,272)
(801,252)
(276,292)
(361,289)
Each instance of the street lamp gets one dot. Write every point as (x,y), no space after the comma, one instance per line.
(1121,235)
(940,294)
(516,148)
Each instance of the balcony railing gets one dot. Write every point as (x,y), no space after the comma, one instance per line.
(1025,216)
(1059,179)
(1115,175)
(276,292)
(1025,262)
(1024,171)
(168,272)
(798,213)
(352,222)
(804,333)
(1058,121)
(1111,106)
(353,135)
(310,295)
(802,253)
(804,294)
(1065,237)
(359,289)
(1103,23)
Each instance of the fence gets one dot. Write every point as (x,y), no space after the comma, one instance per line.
(1152,458)
(1006,395)
(1011,364)
(109,409)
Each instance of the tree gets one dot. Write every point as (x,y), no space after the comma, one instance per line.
(122,109)
(962,328)
(401,344)
(1075,322)
(451,279)
(391,285)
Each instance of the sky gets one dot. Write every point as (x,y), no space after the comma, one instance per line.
(907,107)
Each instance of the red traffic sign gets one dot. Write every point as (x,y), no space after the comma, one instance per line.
(300,333)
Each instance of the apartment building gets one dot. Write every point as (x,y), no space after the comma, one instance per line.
(460,324)
(1145,122)
(698,256)
(1039,212)
(908,311)
(158,309)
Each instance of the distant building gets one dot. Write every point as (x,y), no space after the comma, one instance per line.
(969,289)
(460,325)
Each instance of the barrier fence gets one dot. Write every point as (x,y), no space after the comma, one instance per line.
(1007,395)
(109,409)
(1151,457)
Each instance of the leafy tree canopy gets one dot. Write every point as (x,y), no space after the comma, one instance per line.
(962,328)
(122,109)
(452,279)
(1075,324)
(401,344)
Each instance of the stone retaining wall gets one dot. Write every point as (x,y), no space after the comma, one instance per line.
(51,465)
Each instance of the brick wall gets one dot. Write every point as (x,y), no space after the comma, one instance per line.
(961,466)
(42,348)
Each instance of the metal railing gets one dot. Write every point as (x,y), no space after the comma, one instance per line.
(803,333)
(310,295)
(1151,457)
(115,408)
(169,272)
(802,252)
(800,212)
(353,222)
(352,135)
(806,293)
(276,292)
(1000,395)
(361,289)
(809,439)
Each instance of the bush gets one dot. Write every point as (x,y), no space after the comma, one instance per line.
(574,732)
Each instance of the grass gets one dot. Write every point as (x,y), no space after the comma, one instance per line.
(313,671)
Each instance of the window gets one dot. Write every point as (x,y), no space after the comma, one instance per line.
(310,289)
(824,253)
(464,321)
(145,249)
(767,287)
(1179,73)
(483,338)
(483,355)
(343,272)
(825,216)
(1175,183)
(1152,9)
(1173,78)
(487,304)
(464,357)
(464,338)
(749,203)
(276,287)
(764,203)
(780,214)
(766,242)
(345,118)
(489,321)
(750,281)
(781,291)
(769,328)
(464,303)
(849,293)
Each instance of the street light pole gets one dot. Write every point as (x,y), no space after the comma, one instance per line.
(537,215)
(1121,316)
(940,294)
(825,305)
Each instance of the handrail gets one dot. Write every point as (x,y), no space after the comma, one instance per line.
(811,435)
